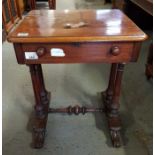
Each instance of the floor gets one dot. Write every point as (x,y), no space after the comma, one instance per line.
(70,85)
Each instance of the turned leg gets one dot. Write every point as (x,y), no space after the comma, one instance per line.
(113,115)
(108,94)
(52,4)
(41,106)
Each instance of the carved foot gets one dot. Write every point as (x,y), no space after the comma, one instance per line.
(39,136)
(116,138)
(114,124)
(40,122)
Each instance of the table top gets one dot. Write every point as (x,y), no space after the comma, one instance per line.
(75,26)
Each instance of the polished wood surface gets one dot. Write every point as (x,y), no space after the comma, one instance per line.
(94,36)
(100,25)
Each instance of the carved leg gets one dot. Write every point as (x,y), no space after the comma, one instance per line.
(114,121)
(41,106)
(52,4)
(108,94)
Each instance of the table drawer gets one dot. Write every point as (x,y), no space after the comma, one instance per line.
(77,52)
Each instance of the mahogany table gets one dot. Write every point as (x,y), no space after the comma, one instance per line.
(84,36)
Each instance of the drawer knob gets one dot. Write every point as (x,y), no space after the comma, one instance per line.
(41,51)
(115,51)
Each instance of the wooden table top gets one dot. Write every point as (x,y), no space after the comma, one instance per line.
(75,26)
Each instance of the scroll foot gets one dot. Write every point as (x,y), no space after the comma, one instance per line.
(39,136)
(116,138)
(39,129)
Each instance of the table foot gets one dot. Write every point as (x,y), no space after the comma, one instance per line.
(39,128)
(114,131)
(114,124)
(39,137)
(116,138)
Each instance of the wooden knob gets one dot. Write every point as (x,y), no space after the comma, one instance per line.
(115,51)
(41,51)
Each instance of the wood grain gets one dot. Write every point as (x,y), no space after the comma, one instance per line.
(82,52)
(101,25)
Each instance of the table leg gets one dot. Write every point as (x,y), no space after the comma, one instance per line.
(52,4)
(112,96)
(41,106)
(108,94)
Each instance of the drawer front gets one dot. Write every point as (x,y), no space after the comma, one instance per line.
(77,52)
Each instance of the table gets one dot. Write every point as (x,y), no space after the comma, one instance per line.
(52,4)
(80,36)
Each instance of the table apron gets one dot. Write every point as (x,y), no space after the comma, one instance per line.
(89,52)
